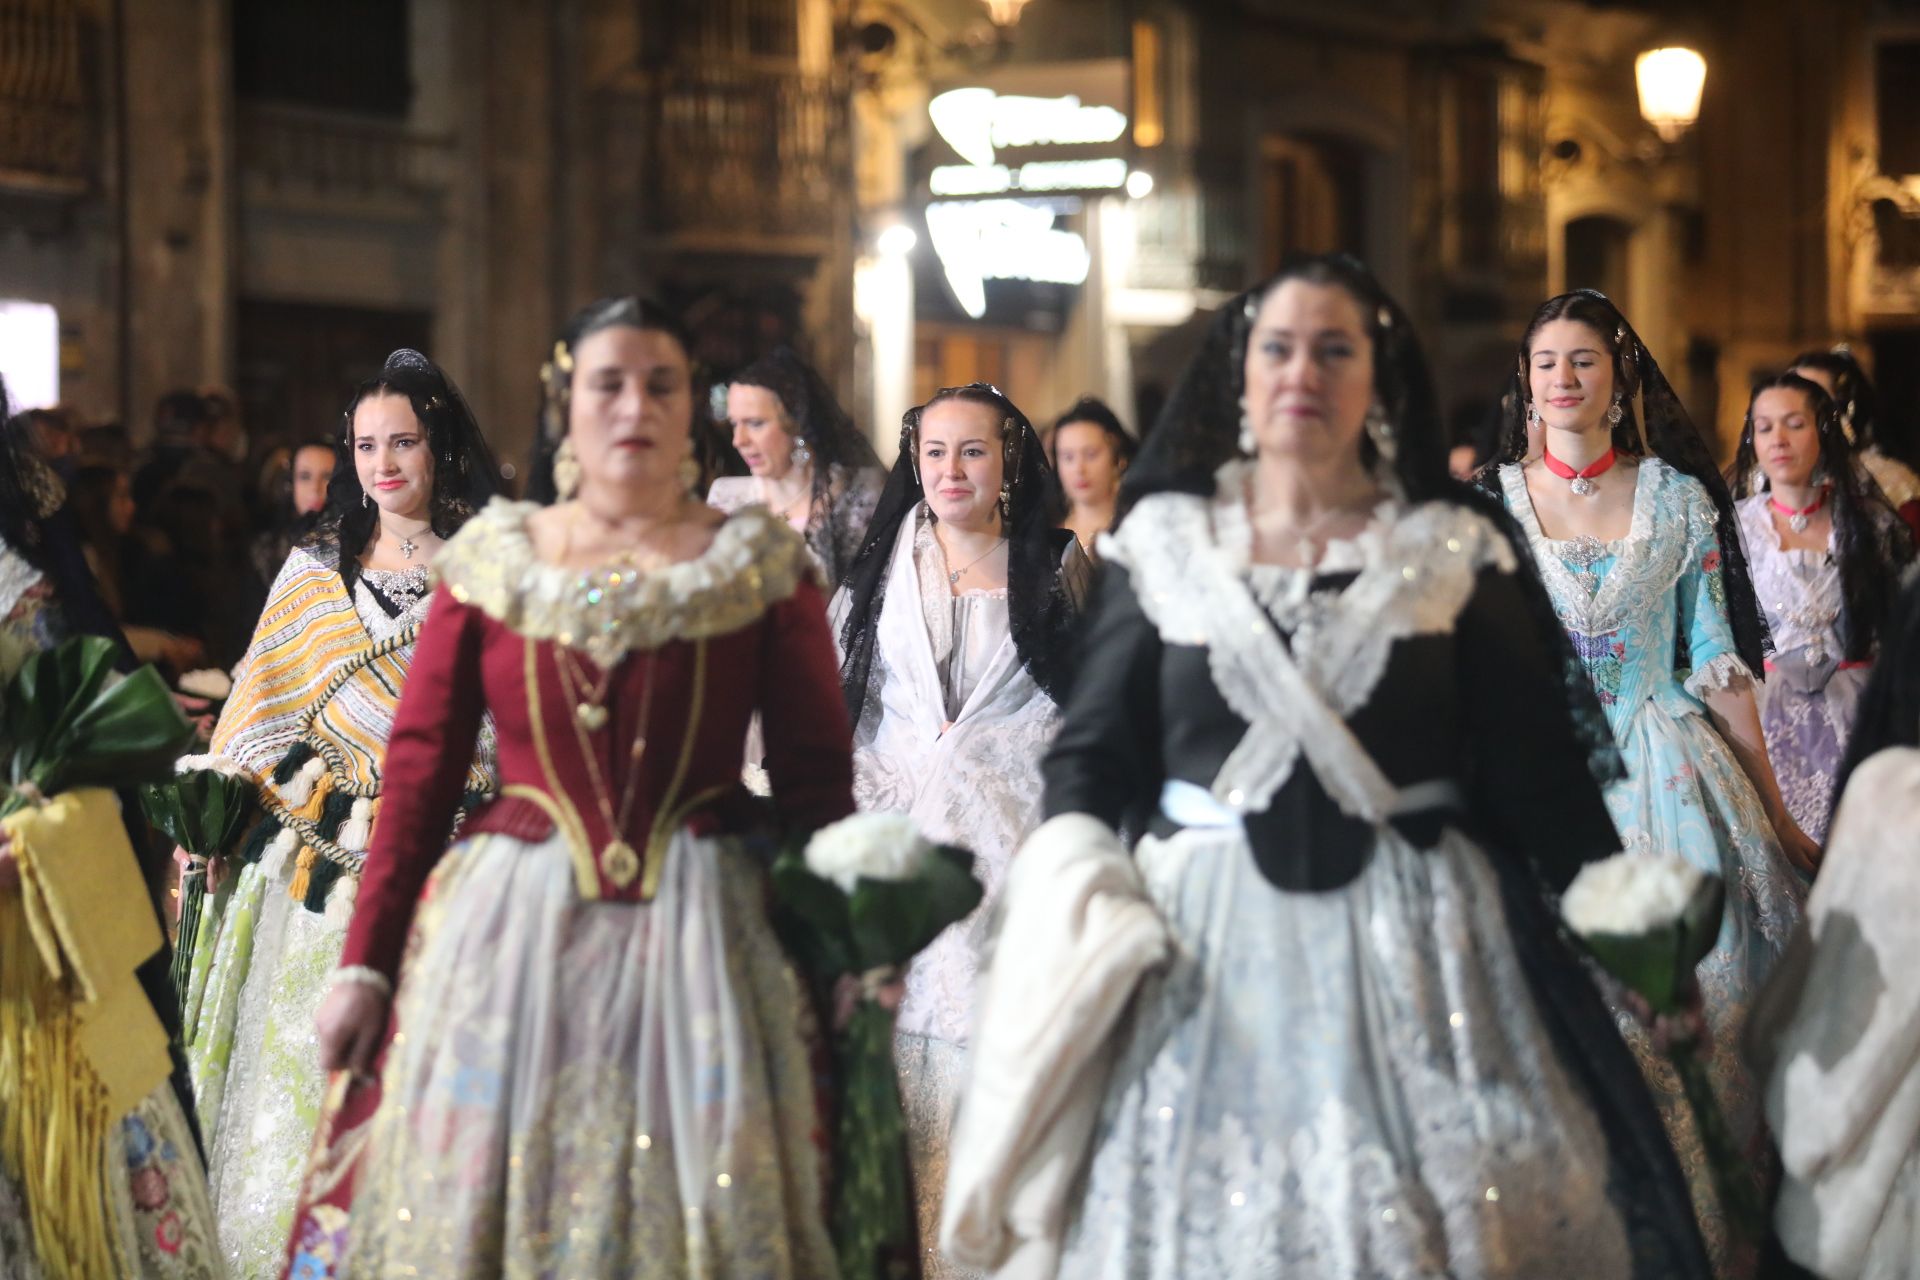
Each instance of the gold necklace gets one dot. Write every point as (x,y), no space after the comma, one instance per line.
(618,858)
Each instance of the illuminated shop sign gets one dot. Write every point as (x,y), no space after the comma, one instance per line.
(979,123)
(982,240)
(1010,156)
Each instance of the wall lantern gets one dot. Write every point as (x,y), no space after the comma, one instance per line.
(1005,13)
(1670,82)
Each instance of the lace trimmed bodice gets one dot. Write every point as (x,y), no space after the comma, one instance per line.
(1647,613)
(754,562)
(1799,589)
(1413,568)
(409,589)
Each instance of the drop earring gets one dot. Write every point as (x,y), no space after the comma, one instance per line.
(802,456)
(566,471)
(1380,431)
(1247,443)
(1615,412)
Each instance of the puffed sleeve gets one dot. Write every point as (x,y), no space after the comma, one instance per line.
(1708,659)
(428,755)
(1105,760)
(803,714)
(1528,781)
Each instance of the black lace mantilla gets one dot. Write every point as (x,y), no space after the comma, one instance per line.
(1042,615)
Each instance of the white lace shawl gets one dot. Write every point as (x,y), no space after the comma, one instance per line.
(1190,558)
(974,781)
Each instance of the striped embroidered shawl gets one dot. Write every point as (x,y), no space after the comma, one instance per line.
(316,684)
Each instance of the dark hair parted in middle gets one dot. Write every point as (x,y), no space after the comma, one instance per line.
(465,477)
(1870,543)
(1041,614)
(1094,412)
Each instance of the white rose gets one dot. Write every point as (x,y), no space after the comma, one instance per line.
(878,846)
(208,682)
(218,764)
(1630,894)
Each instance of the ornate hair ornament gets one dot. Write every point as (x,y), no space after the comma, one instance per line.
(562,362)
(408,358)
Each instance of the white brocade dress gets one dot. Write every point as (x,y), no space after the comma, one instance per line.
(952,735)
(259,979)
(1812,693)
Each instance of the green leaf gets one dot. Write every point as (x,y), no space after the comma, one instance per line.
(201,811)
(68,723)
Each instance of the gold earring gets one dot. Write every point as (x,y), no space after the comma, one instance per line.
(566,471)
(689,473)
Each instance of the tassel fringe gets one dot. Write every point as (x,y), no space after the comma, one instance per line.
(334,812)
(357,833)
(302,873)
(321,878)
(340,902)
(53,1130)
(297,757)
(299,791)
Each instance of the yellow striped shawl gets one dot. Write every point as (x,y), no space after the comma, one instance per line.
(314,675)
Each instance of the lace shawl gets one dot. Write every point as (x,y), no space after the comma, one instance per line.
(1190,559)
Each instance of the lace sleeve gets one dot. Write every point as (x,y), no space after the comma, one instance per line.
(1707,659)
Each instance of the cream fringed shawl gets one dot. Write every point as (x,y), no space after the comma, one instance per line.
(1838,1034)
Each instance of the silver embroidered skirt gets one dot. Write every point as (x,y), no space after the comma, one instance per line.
(1346,1085)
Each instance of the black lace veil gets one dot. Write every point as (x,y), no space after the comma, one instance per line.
(1870,541)
(465,476)
(1042,613)
(1652,421)
(1199,431)
(840,450)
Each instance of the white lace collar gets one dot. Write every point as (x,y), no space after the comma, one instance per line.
(1189,561)
(754,562)
(1646,482)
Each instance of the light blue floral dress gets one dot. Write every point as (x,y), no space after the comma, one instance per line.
(1648,618)
(1647,615)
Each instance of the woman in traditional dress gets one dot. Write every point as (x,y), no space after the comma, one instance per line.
(597,1068)
(1825,550)
(1321,678)
(1090,451)
(1639,547)
(1839,374)
(139,1206)
(307,723)
(809,464)
(956,629)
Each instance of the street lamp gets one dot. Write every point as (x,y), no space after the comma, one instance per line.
(1670,82)
(1005,13)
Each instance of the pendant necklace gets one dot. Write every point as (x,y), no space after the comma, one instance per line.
(1582,480)
(953,579)
(618,859)
(1797,518)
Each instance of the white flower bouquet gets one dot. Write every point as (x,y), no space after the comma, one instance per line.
(865,896)
(1649,919)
